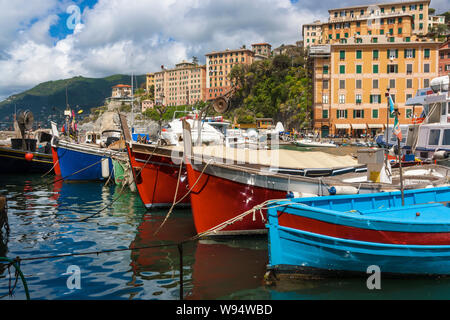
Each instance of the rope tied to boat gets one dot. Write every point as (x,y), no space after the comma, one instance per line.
(187,193)
(262,206)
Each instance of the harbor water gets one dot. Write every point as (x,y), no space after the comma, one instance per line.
(45,220)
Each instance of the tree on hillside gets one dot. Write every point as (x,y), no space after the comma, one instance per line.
(272,88)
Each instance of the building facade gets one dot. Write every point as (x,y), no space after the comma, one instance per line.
(262,49)
(183,85)
(312,33)
(359,58)
(444,58)
(150,81)
(218,67)
(121,91)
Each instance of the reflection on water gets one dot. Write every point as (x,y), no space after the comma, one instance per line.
(43,218)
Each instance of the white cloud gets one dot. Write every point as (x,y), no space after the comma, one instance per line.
(124,36)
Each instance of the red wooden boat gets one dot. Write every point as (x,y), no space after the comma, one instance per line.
(222,192)
(156,176)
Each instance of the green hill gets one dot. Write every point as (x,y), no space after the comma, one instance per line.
(47,100)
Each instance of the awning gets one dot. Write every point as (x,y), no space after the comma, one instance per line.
(375,125)
(342,126)
(359,126)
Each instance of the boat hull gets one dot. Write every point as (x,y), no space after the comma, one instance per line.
(83,165)
(156,178)
(13,161)
(313,240)
(215,200)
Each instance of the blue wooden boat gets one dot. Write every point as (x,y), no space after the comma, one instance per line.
(84,162)
(338,235)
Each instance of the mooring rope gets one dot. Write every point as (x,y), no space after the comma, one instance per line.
(187,193)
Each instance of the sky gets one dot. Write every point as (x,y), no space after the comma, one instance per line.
(43,40)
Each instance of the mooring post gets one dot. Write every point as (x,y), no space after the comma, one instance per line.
(180,251)
(3,214)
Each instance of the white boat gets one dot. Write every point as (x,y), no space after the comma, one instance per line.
(312,143)
(172,134)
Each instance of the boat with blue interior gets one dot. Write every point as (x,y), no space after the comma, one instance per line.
(344,235)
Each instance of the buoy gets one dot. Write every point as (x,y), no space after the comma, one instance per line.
(335,190)
(29,156)
(105,168)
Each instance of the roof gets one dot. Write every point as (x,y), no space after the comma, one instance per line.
(261,44)
(122,86)
(380,4)
(228,50)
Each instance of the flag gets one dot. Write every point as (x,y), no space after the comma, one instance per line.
(391,105)
(397,131)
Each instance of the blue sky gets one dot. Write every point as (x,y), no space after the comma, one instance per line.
(138,36)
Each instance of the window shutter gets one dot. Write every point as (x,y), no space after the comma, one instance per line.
(414,53)
(354,113)
(371,98)
(345,114)
(396,53)
(337,114)
(362,113)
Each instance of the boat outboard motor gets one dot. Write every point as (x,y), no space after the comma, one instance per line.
(440,155)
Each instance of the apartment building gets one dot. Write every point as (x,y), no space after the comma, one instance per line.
(150,81)
(435,20)
(262,49)
(183,85)
(359,58)
(218,67)
(444,58)
(312,33)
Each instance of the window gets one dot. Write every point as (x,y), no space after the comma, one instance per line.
(358,98)
(446,137)
(341,114)
(358,114)
(325,98)
(426,53)
(374,113)
(375,68)
(392,54)
(375,54)
(342,98)
(374,40)
(421,16)
(409,83)
(392,68)
(409,68)
(325,69)
(426,83)
(358,84)
(426,67)
(391,83)
(399,30)
(375,98)
(341,84)
(375,84)
(342,54)
(359,68)
(433,138)
(409,53)
(325,114)
(381,31)
(358,54)
(342,69)
(408,96)
(325,84)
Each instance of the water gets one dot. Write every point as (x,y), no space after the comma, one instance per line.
(44,219)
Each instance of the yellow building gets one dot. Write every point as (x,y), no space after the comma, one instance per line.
(150,81)
(360,57)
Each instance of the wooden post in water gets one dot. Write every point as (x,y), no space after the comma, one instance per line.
(3,214)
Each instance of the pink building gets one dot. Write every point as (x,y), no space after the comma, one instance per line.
(183,85)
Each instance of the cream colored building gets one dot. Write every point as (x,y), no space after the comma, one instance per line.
(150,81)
(312,33)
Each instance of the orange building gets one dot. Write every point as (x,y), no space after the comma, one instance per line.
(444,58)
(219,65)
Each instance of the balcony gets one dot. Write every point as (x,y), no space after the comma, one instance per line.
(320,51)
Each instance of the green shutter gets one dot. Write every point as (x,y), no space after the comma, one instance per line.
(358,54)
(342,54)
(414,53)
(396,53)
(346,114)
(337,114)
(371,98)
(354,113)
